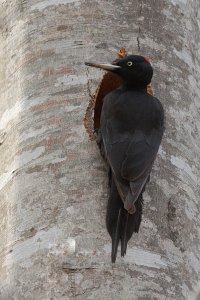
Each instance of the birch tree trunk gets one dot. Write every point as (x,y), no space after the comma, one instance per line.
(53,182)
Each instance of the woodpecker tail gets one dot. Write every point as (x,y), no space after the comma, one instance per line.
(120,224)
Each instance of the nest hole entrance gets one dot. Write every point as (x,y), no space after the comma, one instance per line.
(108,83)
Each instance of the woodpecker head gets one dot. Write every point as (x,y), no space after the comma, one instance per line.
(135,70)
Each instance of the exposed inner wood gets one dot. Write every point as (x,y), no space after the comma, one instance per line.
(109,83)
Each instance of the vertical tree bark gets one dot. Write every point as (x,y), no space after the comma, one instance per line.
(53,183)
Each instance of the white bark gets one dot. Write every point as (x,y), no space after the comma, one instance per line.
(53,183)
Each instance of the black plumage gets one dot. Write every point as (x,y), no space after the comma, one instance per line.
(131,129)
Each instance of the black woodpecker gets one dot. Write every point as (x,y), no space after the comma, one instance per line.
(130,133)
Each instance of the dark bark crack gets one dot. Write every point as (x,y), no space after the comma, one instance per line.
(138,39)
(139,28)
(88,85)
(2,138)
(73,269)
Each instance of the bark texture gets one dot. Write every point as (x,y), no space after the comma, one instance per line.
(53,183)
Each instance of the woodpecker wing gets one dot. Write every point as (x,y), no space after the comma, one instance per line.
(138,162)
(130,154)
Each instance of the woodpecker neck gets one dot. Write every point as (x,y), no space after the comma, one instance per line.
(142,89)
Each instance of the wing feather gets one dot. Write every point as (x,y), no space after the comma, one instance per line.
(131,161)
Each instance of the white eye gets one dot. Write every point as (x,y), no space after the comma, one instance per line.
(129,63)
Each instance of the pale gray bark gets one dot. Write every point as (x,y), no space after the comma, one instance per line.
(53,183)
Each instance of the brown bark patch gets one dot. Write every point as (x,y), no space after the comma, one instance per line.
(46,105)
(60,71)
(34,55)
(55,121)
(62,27)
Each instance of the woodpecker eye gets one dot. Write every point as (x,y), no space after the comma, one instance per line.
(129,63)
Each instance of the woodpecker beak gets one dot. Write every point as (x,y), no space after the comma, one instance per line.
(107,67)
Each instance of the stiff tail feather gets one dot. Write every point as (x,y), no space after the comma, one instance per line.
(124,227)
(121,224)
(116,237)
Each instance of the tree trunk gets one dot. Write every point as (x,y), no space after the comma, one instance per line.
(53,182)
